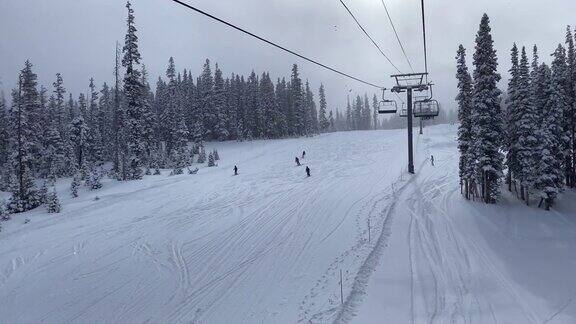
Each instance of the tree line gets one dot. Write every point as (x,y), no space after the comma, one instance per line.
(48,133)
(527,140)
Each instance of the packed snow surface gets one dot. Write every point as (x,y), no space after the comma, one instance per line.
(268,245)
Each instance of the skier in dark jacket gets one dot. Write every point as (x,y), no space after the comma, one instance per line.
(235,170)
(297,160)
(303,154)
(307,171)
(432,159)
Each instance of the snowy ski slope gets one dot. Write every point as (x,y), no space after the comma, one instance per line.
(267,246)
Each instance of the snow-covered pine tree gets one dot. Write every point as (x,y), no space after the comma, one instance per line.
(201,155)
(180,153)
(486,114)
(323,122)
(282,107)
(133,91)
(267,108)
(366,114)
(95,178)
(4,132)
(464,98)
(149,121)
(23,141)
(512,117)
(549,173)
(349,116)
(52,201)
(61,117)
(216,155)
(526,144)
(4,212)
(375,123)
(206,114)
(559,100)
(307,109)
(79,141)
(211,161)
(331,121)
(219,106)
(297,104)
(75,184)
(570,109)
(95,154)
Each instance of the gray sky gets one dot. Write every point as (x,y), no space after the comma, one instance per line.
(77,37)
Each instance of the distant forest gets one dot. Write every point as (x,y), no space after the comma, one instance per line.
(47,133)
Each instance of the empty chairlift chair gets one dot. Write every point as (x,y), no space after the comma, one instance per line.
(387,106)
(403,111)
(426,107)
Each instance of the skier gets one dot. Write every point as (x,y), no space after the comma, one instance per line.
(432,159)
(235,170)
(297,160)
(303,154)
(307,171)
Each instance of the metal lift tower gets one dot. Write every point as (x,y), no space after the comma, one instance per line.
(409,83)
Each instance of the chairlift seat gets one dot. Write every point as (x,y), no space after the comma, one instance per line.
(387,107)
(426,108)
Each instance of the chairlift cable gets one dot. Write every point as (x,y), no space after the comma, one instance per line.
(368,35)
(274,44)
(397,37)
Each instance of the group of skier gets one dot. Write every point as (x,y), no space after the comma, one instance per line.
(297,160)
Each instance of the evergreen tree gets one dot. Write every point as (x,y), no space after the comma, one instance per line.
(559,102)
(219,103)
(309,111)
(487,114)
(211,162)
(206,114)
(548,178)
(513,114)
(323,122)
(297,124)
(79,140)
(570,109)
(366,114)
(526,144)
(332,122)
(282,108)
(201,155)
(52,201)
(149,121)
(375,123)
(23,141)
(349,116)
(75,184)
(133,91)
(464,99)
(4,131)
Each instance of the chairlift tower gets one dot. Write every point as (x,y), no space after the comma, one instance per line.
(409,83)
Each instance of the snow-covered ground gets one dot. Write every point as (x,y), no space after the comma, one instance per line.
(268,246)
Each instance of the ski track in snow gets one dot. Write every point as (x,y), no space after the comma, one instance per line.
(209,248)
(267,246)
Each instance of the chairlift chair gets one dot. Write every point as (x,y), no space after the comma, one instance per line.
(403,111)
(387,106)
(426,108)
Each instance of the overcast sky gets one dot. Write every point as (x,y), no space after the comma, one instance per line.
(77,38)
